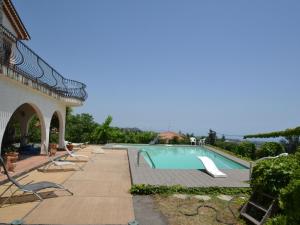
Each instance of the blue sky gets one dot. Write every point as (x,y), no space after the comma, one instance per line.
(233,66)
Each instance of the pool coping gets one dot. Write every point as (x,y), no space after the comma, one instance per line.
(144,174)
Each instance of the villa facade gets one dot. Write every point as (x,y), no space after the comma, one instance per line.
(29,85)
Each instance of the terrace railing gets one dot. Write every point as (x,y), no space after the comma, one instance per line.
(18,57)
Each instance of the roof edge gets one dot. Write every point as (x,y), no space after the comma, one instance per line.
(15,20)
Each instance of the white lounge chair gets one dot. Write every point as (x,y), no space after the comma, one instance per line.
(210,167)
(74,155)
(60,163)
(29,187)
(77,145)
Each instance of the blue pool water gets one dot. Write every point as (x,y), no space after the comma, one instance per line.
(177,157)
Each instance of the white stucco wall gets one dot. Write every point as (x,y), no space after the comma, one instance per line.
(13,94)
(8,25)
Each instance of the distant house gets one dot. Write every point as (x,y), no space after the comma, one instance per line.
(167,136)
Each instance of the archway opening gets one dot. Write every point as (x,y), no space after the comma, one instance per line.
(55,133)
(23,133)
(54,129)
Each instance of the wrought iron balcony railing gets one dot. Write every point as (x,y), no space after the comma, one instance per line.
(15,55)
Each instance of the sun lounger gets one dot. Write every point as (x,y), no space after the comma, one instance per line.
(74,155)
(31,187)
(60,163)
(210,167)
(77,145)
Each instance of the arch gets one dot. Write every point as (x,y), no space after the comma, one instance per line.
(61,123)
(36,110)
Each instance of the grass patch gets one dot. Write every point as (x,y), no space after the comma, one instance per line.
(192,211)
(146,189)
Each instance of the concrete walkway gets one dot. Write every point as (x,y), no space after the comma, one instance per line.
(100,194)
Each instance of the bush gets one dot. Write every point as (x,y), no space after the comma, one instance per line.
(278,220)
(270,149)
(289,200)
(271,175)
(246,149)
(146,189)
(229,146)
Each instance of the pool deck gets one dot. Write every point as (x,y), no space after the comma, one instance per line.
(101,194)
(144,174)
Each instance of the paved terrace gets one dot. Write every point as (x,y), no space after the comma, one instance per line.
(144,174)
(100,194)
(28,163)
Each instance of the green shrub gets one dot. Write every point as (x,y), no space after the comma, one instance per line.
(271,175)
(246,149)
(145,189)
(229,146)
(270,149)
(290,199)
(278,220)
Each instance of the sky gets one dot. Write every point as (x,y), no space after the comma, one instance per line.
(189,65)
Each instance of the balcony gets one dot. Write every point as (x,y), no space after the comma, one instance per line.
(19,62)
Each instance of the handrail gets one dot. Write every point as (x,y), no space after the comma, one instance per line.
(18,57)
(138,158)
(252,164)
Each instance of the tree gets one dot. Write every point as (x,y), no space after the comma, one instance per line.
(80,127)
(223,138)
(212,137)
(34,130)
(102,133)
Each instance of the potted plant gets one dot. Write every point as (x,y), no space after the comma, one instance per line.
(11,156)
(70,146)
(52,149)
(12,152)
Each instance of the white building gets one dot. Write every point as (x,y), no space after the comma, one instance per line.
(28,85)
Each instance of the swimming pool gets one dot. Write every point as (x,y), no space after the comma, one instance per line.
(183,157)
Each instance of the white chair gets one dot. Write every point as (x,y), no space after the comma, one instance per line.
(193,140)
(74,155)
(29,187)
(60,163)
(202,141)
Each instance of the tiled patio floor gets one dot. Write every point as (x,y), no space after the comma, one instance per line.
(28,163)
(100,194)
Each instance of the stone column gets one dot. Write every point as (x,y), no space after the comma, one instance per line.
(45,131)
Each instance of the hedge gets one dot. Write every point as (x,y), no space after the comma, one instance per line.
(270,149)
(270,176)
(146,189)
(285,133)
